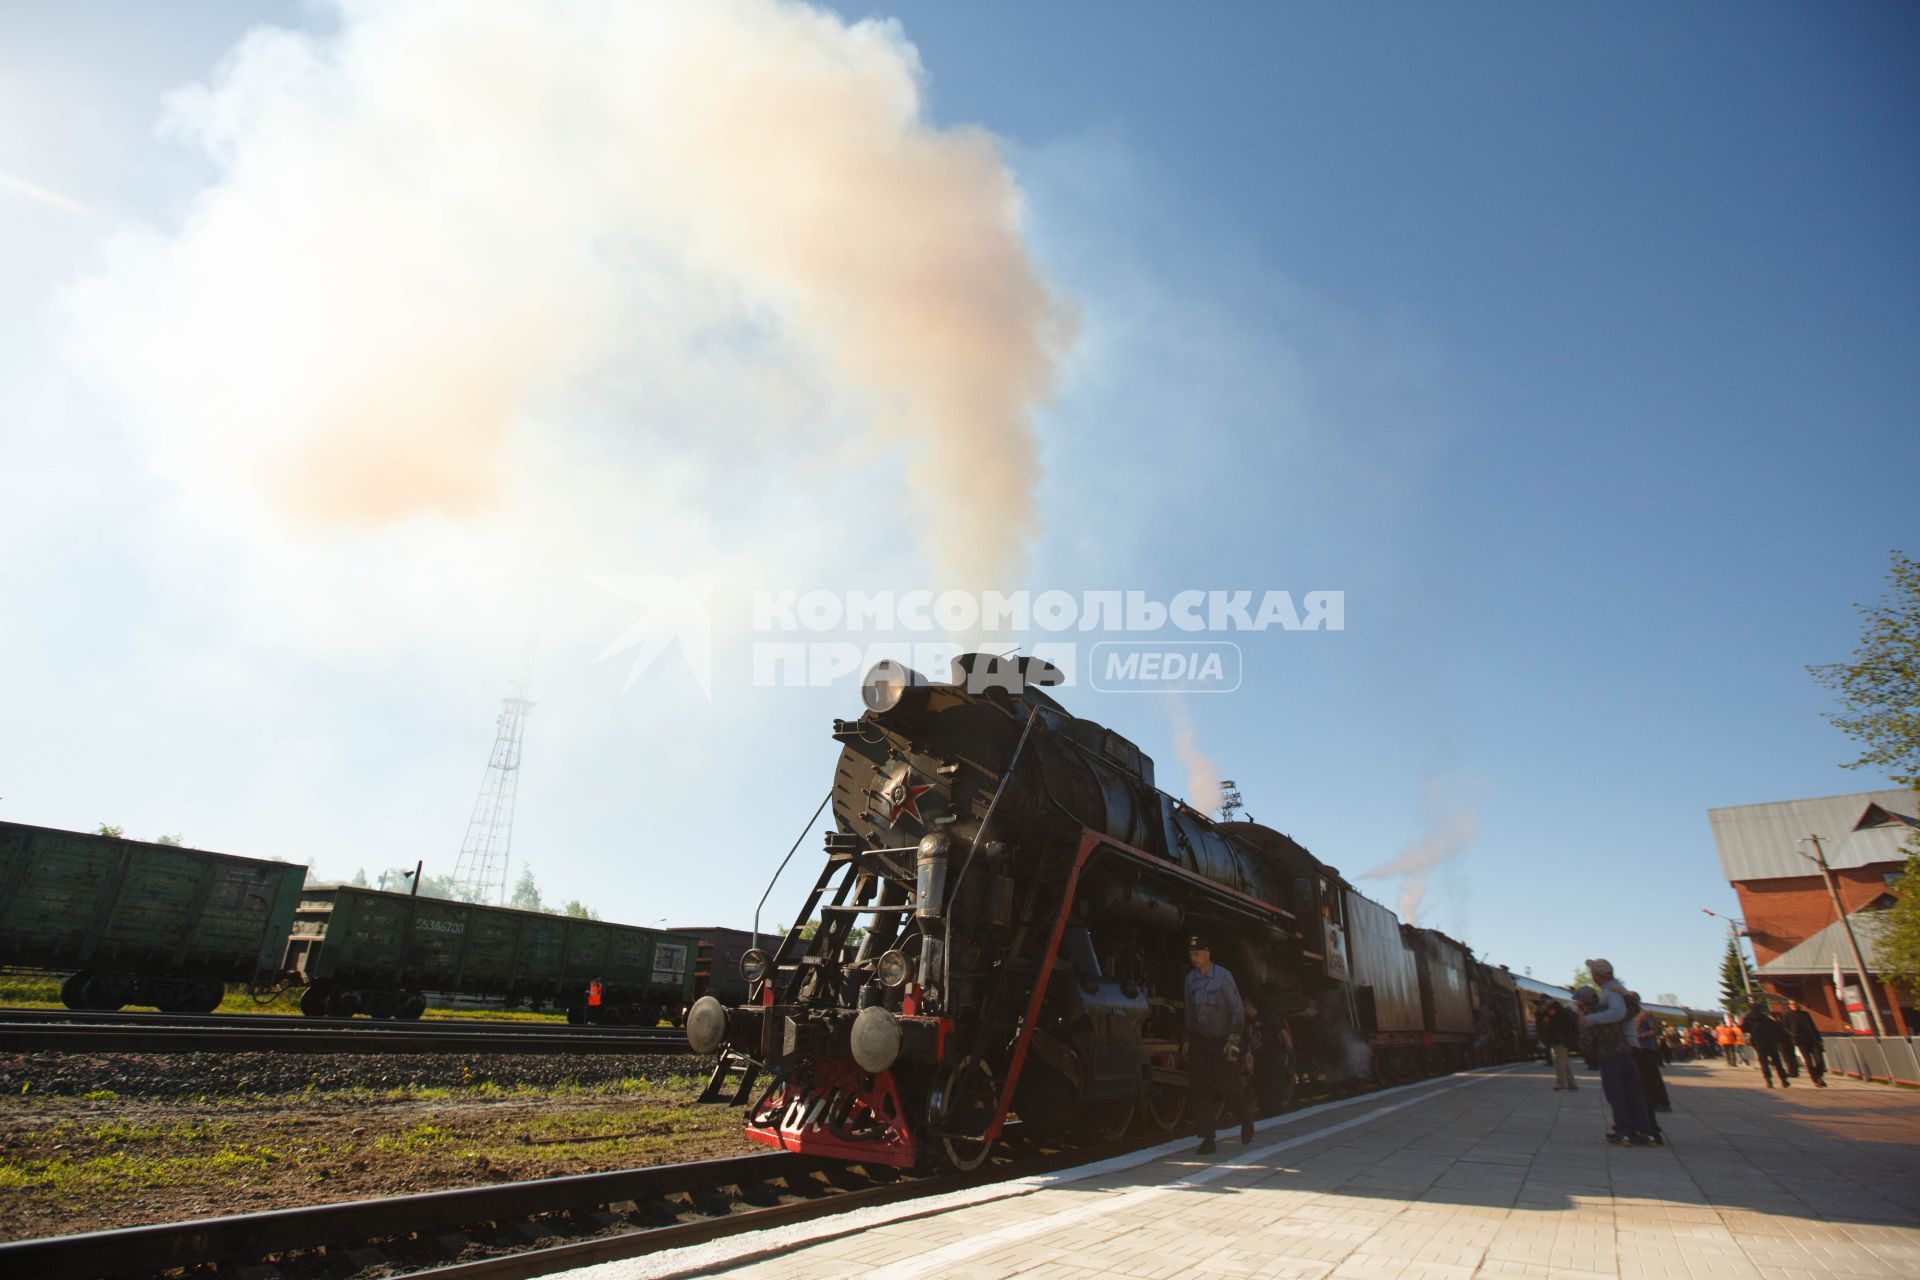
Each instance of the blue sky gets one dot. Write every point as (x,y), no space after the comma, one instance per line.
(1573,345)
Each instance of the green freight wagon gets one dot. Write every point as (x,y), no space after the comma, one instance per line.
(138,923)
(362,950)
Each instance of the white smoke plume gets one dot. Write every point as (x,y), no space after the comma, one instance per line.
(1203,775)
(1451,825)
(432,231)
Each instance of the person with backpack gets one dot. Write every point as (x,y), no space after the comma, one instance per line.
(1604,1026)
(1559,1034)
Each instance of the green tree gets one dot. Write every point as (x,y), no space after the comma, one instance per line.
(359,880)
(1582,977)
(579,910)
(108,829)
(443,887)
(400,880)
(1879,691)
(1896,931)
(526,894)
(1733,988)
(1879,695)
(172,841)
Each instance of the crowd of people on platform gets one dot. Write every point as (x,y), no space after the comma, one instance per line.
(1628,1045)
(1239,1056)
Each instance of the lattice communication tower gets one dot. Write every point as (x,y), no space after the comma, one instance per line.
(481,874)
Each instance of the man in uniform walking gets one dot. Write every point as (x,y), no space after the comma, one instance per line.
(1800,1029)
(1216,1034)
(1768,1038)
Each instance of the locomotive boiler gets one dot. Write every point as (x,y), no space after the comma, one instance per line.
(1001,931)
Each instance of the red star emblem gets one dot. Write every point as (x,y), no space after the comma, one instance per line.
(904,797)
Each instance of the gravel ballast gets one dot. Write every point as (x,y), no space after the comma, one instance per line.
(180,1075)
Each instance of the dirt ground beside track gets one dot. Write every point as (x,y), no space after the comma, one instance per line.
(98,1160)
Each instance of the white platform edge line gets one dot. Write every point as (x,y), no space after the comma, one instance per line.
(754,1245)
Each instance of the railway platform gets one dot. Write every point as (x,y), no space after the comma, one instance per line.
(1485,1174)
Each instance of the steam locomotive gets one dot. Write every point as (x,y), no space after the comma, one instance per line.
(1002,916)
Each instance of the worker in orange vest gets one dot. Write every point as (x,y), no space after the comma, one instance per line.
(1723,1036)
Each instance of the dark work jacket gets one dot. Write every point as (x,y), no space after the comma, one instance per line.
(1800,1027)
(1558,1026)
(1763,1030)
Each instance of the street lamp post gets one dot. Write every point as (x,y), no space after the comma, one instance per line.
(1740,961)
(1733,936)
(1819,858)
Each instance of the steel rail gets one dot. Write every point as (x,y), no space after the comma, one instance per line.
(549,1259)
(18,1037)
(245,1237)
(148,1018)
(817,1187)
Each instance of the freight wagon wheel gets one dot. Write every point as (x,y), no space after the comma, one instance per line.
(411,1008)
(71,991)
(105,992)
(343,1004)
(313,1002)
(205,997)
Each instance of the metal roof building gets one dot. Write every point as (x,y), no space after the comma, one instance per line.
(1768,841)
(1820,953)
(1790,907)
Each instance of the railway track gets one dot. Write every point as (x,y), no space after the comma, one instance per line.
(515,1231)
(510,1231)
(27,1030)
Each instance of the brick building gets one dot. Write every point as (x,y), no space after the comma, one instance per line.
(1789,915)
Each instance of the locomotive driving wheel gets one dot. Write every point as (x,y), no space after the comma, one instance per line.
(964,1105)
(1109,1122)
(1163,1105)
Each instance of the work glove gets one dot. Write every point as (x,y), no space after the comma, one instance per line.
(1232,1051)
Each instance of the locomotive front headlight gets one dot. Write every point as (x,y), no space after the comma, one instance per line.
(891,969)
(753,965)
(892,688)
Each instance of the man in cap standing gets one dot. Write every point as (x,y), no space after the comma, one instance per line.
(1619,1076)
(1216,1033)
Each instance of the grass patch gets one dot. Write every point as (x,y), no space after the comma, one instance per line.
(120,1132)
(30,990)
(413,1139)
(119,1171)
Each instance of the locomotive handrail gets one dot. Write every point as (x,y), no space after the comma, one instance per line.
(783,866)
(946,967)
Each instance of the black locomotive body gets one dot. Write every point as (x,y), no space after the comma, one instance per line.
(1001,930)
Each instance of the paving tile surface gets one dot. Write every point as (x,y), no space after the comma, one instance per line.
(1489,1175)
